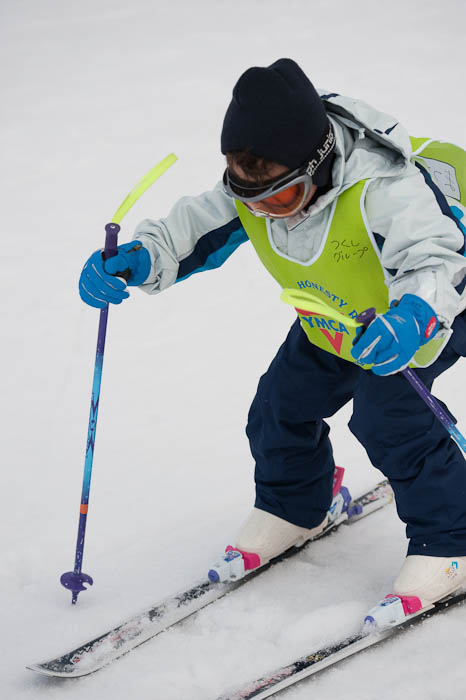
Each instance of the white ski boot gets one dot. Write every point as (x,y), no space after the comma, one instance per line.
(264,536)
(430,578)
(268,536)
(421,582)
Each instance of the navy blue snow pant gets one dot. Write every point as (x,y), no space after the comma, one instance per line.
(290,443)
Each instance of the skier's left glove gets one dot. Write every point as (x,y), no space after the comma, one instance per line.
(393,338)
(98,284)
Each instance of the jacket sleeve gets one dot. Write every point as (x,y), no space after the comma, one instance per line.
(198,234)
(421,243)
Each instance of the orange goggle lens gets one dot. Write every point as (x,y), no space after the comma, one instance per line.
(282,204)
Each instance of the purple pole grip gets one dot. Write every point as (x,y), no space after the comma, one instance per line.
(111,240)
(366,318)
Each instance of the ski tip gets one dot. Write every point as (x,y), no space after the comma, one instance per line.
(44,670)
(38,668)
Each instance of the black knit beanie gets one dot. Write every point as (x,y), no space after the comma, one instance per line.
(275,113)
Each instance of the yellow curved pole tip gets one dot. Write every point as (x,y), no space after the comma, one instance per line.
(148,180)
(308,302)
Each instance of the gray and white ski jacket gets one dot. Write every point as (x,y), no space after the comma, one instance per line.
(422,245)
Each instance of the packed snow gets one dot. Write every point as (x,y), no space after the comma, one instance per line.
(94,94)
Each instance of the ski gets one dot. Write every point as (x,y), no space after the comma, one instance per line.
(274,682)
(96,653)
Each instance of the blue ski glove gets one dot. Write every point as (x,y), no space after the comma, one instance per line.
(393,338)
(99,283)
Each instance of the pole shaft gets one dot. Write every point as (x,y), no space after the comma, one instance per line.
(109,251)
(435,407)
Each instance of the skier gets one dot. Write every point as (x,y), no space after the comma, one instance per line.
(328,191)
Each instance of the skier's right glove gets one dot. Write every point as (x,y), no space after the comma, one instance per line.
(99,283)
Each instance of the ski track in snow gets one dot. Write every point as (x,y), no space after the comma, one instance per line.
(94,94)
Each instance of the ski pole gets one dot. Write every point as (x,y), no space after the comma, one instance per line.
(75,580)
(305,301)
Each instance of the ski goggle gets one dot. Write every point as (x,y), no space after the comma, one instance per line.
(285,195)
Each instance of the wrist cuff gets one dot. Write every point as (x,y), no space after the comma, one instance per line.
(424,315)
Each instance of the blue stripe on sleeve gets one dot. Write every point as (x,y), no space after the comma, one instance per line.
(447,211)
(213,249)
(380,240)
(441,201)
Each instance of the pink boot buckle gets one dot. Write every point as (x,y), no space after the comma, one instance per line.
(251,560)
(337,480)
(411,603)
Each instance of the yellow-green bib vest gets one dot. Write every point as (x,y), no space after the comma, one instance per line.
(346,272)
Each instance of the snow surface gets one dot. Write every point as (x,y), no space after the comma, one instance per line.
(94,94)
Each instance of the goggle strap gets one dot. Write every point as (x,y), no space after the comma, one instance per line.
(322,152)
